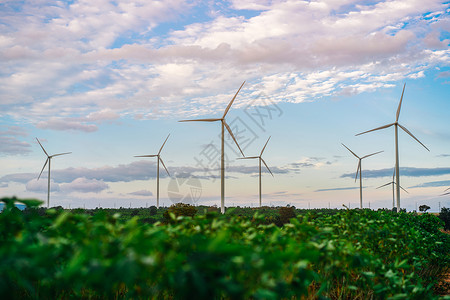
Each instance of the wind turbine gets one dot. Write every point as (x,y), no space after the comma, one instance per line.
(48,160)
(397,125)
(157,169)
(393,190)
(359,168)
(222,156)
(260,160)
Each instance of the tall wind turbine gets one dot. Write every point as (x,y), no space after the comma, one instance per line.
(396,126)
(222,157)
(260,160)
(157,169)
(359,168)
(48,160)
(393,188)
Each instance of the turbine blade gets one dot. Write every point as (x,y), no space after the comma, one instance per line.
(163,144)
(46,161)
(201,120)
(379,128)
(447,189)
(404,189)
(164,166)
(266,166)
(42,147)
(152,155)
(232,135)
(350,151)
(408,132)
(371,154)
(248,157)
(60,154)
(265,146)
(445,194)
(400,104)
(232,100)
(357,169)
(384,185)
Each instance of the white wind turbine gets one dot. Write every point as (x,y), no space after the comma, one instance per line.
(359,168)
(157,170)
(393,188)
(260,160)
(222,156)
(396,125)
(48,160)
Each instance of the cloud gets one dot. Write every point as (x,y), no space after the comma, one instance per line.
(9,142)
(41,186)
(337,189)
(444,183)
(444,74)
(12,146)
(84,185)
(61,124)
(94,62)
(406,171)
(143,193)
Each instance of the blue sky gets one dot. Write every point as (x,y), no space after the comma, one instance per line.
(108,80)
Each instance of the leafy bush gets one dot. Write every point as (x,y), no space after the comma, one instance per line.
(179,209)
(286,213)
(351,254)
(444,215)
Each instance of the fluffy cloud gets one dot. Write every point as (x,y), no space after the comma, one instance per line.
(10,143)
(83,185)
(91,62)
(41,186)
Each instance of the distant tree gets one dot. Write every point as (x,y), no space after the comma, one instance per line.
(424,208)
(286,213)
(444,215)
(180,209)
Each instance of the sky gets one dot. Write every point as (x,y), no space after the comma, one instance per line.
(109,80)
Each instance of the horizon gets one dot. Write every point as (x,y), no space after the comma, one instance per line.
(108,80)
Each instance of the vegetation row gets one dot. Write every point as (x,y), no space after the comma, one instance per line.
(273,254)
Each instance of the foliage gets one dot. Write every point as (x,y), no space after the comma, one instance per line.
(424,208)
(348,254)
(286,213)
(444,215)
(179,209)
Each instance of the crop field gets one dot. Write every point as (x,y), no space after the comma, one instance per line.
(183,253)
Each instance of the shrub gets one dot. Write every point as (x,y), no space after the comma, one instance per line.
(180,209)
(286,213)
(444,215)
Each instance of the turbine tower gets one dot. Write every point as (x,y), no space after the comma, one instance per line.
(48,160)
(222,156)
(359,168)
(393,188)
(260,160)
(157,169)
(396,126)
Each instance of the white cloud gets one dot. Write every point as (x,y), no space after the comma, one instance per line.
(72,66)
(41,186)
(143,193)
(83,185)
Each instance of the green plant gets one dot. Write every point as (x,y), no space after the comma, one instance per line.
(444,215)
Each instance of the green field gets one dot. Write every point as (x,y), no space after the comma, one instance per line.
(269,253)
